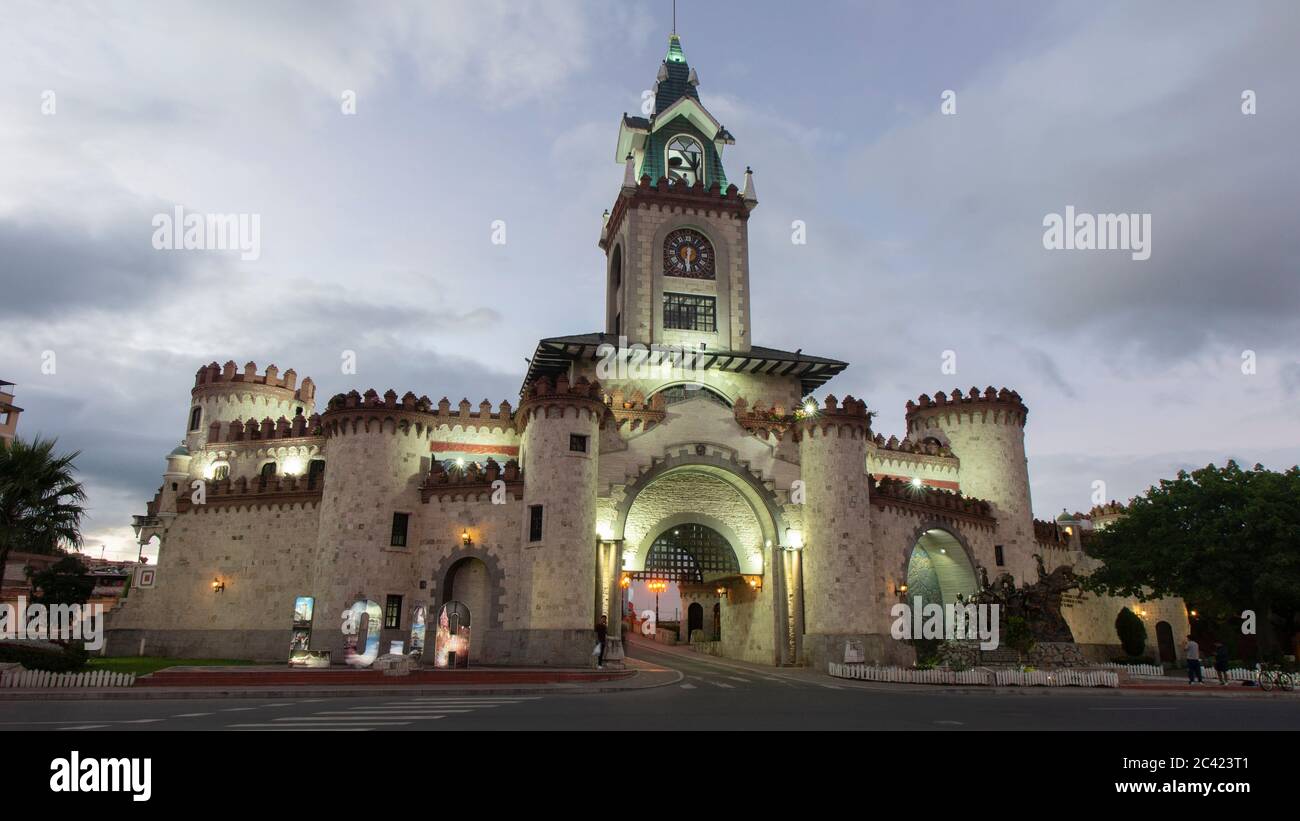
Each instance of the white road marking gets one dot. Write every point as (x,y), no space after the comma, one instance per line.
(237,709)
(734,678)
(950,722)
(85,727)
(190,715)
(325,719)
(281,704)
(379,711)
(319,726)
(688,686)
(723,684)
(1132,708)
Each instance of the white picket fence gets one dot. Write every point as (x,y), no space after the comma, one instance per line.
(1156,671)
(1055,678)
(1136,670)
(1000,678)
(44,678)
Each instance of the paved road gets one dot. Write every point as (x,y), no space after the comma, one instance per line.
(714,694)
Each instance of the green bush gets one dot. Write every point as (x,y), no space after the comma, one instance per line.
(65,659)
(1131,631)
(1019,636)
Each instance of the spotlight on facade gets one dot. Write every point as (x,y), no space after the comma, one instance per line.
(218,586)
(902,588)
(460,463)
(916,481)
(293,465)
(604,532)
(809,407)
(794,538)
(465,539)
(1193,614)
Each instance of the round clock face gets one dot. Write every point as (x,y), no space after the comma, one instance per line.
(688,254)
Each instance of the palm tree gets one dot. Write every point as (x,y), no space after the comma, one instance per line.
(40,501)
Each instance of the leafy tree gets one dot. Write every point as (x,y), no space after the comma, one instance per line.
(1224,539)
(64,582)
(40,500)
(1132,632)
(1019,636)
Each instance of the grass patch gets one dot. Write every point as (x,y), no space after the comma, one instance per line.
(142,665)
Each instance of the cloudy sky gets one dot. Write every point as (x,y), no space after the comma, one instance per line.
(924,230)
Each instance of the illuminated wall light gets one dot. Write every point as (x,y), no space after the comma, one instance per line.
(605,532)
(794,538)
(916,481)
(293,465)
(218,586)
(809,407)
(465,539)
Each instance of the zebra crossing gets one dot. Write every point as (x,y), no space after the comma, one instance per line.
(422,711)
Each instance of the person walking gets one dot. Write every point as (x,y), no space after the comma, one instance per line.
(1221,663)
(602,630)
(1194,662)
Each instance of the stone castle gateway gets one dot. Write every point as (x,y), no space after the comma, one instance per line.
(667,446)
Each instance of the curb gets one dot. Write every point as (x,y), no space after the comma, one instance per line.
(336,691)
(1051,691)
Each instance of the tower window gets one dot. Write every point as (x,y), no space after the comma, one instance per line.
(393,613)
(578,442)
(997,555)
(268,470)
(196,417)
(685,161)
(688,312)
(315,472)
(220,471)
(534,523)
(400,522)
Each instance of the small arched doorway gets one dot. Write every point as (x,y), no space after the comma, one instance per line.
(694,620)
(469,583)
(1165,642)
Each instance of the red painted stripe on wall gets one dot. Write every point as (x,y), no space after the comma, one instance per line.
(465,447)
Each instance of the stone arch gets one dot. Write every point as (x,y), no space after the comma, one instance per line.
(442,577)
(728,469)
(954,568)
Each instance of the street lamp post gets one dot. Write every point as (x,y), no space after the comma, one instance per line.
(657,586)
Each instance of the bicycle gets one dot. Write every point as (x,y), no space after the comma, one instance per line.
(1268,676)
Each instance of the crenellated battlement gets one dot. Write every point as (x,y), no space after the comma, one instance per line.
(849,417)
(214,375)
(256,492)
(265,429)
(1049,534)
(420,410)
(907,446)
(544,393)
(634,411)
(1006,405)
(895,492)
(1111,508)
(472,480)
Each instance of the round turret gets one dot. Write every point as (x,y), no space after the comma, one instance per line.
(561,439)
(378,452)
(223,394)
(836,542)
(985,429)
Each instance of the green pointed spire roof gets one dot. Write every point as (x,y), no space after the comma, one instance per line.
(675,54)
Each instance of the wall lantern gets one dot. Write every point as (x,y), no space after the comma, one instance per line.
(755,582)
(1193,614)
(464,538)
(721,591)
(902,589)
(625,582)
(218,586)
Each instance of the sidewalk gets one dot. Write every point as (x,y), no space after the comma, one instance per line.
(1171,686)
(275,681)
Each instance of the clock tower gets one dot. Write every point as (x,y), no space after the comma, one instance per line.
(676,239)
